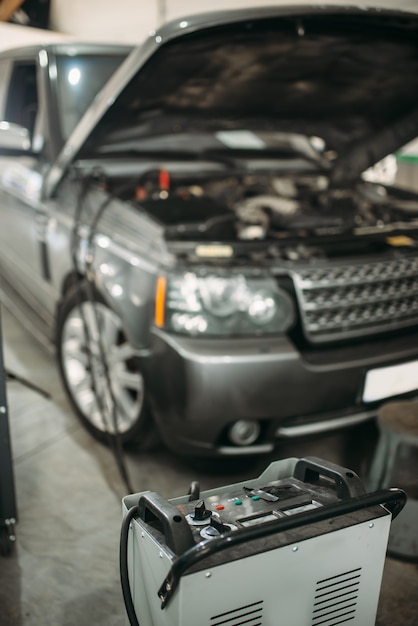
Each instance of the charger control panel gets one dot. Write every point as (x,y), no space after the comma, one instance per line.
(249,506)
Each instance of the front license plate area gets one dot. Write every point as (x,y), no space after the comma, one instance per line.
(394,380)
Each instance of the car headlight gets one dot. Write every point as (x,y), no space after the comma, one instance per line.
(222,305)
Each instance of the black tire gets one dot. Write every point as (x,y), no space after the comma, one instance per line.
(100,374)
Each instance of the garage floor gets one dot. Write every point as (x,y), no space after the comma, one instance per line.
(64,569)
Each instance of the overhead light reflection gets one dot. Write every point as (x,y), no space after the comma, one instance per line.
(107,270)
(103,241)
(116,290)
(74,76)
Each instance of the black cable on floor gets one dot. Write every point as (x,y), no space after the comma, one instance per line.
(12,377)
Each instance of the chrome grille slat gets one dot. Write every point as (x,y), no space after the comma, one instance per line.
(343,301)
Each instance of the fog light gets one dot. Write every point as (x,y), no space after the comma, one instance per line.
(244,432)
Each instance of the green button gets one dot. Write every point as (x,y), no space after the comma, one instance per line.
(237,502)
(255,497)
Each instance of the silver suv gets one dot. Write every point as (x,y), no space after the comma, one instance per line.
(211,248)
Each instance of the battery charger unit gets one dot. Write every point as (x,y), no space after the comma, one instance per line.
(301,545)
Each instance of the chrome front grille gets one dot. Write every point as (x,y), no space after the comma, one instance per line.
(343,301)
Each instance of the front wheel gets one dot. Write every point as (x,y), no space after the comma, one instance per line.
(100,371)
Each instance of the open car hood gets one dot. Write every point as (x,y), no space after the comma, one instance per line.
(244,80)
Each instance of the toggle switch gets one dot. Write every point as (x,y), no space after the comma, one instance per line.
(261,494)
(200,516)
(201,512)
(216,528)
(218,525)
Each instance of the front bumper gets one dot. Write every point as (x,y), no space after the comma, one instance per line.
(199,387)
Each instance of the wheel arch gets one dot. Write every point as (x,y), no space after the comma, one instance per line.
(135,311)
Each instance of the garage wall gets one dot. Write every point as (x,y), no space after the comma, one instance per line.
(178,8)
(126,21)
(130,21)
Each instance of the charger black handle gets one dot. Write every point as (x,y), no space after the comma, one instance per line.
(347,482)
(154,508)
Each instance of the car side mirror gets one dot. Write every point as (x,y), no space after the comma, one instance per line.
(14,139)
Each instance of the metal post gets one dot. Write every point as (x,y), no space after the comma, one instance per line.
(8,513)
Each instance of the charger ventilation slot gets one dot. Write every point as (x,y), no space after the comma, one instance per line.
(250,615)
(336,599)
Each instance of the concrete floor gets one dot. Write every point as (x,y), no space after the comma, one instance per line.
(64,568)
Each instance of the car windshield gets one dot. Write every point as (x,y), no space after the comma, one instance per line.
(79,79)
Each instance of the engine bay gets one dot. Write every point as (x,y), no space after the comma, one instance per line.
(266,207)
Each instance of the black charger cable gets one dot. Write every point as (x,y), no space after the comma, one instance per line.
(115,441)
(194,493)
(123,566)
(12,377)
